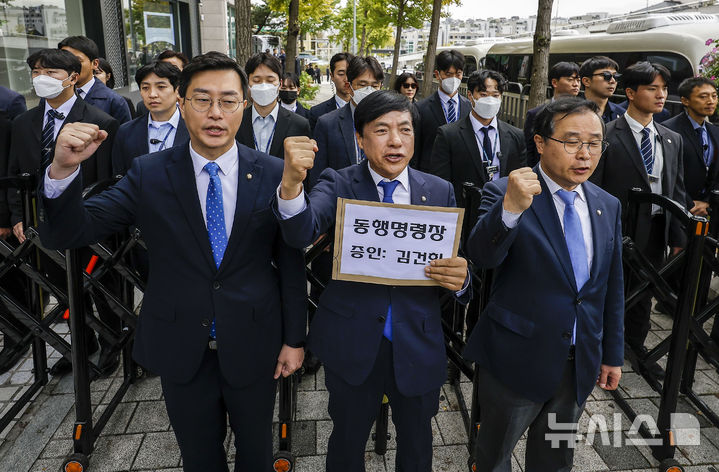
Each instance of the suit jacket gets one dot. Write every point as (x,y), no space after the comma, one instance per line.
(621,168)
(108,101)
(11,102)
(698,180)
(25,150)
(432,114)
(523,335)
(336,144)
(288,124)
(321,109)
(5,127)
(532,156)
(257,296)
(131,142)
(304,113)
(456,157)
(613,111)
(347,327)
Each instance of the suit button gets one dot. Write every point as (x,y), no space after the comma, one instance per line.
(381,318)
(205,322)
(216,285)
(567,335)
(578,301)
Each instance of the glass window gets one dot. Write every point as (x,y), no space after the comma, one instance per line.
(151,27)
(232,34)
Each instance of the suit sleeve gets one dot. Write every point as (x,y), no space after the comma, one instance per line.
(17,107)
(440,164)
(613,319)
(293,290)
(104,152)
(119,109)
(118,156)
(677,232)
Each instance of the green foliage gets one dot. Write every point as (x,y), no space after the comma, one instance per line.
(315,15)
(308,90)
(267,21)
(372,16)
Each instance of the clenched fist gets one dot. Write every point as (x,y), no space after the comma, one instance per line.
(75,143)
(299,158)
(522,186)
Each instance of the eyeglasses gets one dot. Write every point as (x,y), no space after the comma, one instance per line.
(573,146)
(608,76)
(202,103)
(408,85)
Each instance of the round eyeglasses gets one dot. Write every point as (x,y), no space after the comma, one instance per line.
(201,102)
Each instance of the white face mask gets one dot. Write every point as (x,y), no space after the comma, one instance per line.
(361,94)
(48,87)
(264,94)
(450,85)
(487,107)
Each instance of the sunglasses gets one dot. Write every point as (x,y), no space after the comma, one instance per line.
(408,85)
(608,76)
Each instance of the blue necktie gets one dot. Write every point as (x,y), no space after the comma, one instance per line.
(575,238)
(215,220)
(702,133)
(388,188)
(451,111)
(646,149)
(48,136)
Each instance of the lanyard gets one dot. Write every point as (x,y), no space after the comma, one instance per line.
(269,141)
(164,140)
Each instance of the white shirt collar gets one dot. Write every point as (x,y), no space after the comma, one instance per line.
(273,113)
(64,108)
(554,187)
(174,120)
(403,177)
(476,125)
(444,97)
(86,88)
(226,161)
(291,107)
(339,101)
(637,126)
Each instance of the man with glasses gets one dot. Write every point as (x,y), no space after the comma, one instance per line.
(223,286)
(599,77)
(553,326)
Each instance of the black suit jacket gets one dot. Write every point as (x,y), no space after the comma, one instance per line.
(5,127)
(303,112)
(131,142)
(109,101)
(12,103)
(456,157)
(288,124)
(432,117)
(621,168)
(25,149)
(322,109)
(698,180)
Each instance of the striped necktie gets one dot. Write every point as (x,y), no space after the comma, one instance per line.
(451,111)
(647,151)
(48,136)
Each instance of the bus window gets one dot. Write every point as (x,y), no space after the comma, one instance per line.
(470,65)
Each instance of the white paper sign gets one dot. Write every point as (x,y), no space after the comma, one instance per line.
(391,244)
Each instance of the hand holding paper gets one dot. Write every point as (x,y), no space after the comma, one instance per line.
(450,273)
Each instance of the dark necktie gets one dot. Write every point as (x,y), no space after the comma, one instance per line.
(215,220)
(702,133)
(647,151)
(451,111)
(389,188)
(48,136)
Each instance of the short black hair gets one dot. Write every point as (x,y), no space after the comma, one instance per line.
(55,59)
(595,63)
(687,86)
(83,44)
(164,70)
(380,103)
(449,58)
(358,65)
(263,58)
(563,69)
(559,109)
(404,77)
(105,66)
(290,76)
(644,73)
(212,60)
(169,54)
(477,80)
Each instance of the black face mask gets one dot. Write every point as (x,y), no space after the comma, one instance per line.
(288,96)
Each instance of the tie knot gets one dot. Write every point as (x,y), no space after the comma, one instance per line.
(55,114)
(567,196)
(212,168)
(388,187)
(487,129)
(646,132)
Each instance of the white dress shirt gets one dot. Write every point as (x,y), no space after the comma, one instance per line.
(64,109)
(264,128)
(654,183)
(86,88)
(493,139)
(158,130)
(340,103)
(291,107)
(444,99)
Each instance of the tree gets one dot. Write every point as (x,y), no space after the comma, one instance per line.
(431,49)
(266,20)
(409,13)
(540,60)
(293,31)
(243,30)
(372,20)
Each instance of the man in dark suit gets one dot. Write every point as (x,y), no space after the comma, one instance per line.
(90,89)
(223,288)
(564,79)
(177,59)
(553,324)
(266,124)
(442,107)
(338,74)
(599,77)
(646,155)
(289,91)
(479,148)
(11,102)
(163,128)
(374,339)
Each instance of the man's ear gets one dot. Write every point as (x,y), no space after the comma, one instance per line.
(539,142)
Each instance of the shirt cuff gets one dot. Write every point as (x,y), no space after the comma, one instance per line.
(464,288)
(510,219)
(54,188)
(290,208)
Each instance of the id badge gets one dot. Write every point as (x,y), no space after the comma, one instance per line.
(491,170)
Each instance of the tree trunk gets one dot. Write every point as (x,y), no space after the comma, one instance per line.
(397,43)
(243,30)
(363,42)
(431,49)
(540,60)
(293,31)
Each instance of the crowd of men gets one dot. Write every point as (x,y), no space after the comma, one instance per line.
(229,178)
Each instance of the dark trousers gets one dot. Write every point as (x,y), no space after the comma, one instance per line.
(353,409)
(198,412)
(506,415)
(636,319)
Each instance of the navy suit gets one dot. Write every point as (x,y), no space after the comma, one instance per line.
(257,295)
(432,113)
(11,102)
(303,112)
(336,143)
(109,101)
(321,109)
(347,331)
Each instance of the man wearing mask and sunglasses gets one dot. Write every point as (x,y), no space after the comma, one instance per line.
(480,147)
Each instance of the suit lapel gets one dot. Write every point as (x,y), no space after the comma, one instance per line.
(464,106)
(669,154)
(245,135)
(437,110)
(598,217)
(418,192)
(278,140)
(363,186)
(142,144)
(473,152)
(691,136)
(347,129)
(626,137)
(37,119)
(182,135)
(505,144)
